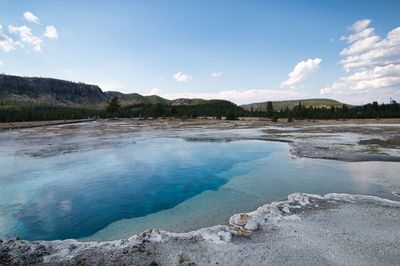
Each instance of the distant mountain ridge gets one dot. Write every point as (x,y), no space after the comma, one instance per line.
(38,90)
(135,98)
(278,105)
(48,90)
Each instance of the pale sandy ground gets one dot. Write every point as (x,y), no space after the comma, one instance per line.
(248,121)
(348,140)
(30,124)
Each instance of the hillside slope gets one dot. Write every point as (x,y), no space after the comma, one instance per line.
(278,105)
(135,98)
(16,90)
(125,99)
(37,90)
(47,90)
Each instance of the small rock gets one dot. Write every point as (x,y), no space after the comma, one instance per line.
(251,225)
(239,219)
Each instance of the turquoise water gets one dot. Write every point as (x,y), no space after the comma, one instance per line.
(165,183)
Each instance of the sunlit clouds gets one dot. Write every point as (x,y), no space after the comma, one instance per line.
(23,36)
(180,77)
(30,17)
(301,73)
(372,63)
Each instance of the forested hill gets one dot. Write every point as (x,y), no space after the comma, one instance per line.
(33,99)
(135,98)
(17,89)
(280,105)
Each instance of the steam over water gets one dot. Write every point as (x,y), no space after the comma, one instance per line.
(112,190)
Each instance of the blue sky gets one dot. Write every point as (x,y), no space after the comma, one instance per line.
(243,51)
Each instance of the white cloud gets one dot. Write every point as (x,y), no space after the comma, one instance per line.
(361,45)
(240,96)
(301,73)
(366,49)
(1,63)
(153,91)
(216,74)
(6,43)
(372,64)
(31,17)
(51,32)
(180,77)
(25,33)
(378,77)
(360,25)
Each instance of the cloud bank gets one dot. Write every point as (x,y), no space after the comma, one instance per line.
(372,64)
(25,35)
(6,43)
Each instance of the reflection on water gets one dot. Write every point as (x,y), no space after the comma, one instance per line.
(163,183)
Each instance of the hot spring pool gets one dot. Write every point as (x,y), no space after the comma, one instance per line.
(166,183)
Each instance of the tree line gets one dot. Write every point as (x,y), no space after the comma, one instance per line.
(46,112)
(40,112)
(370,110)
(215,109)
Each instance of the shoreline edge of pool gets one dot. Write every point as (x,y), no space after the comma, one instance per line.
(306,216)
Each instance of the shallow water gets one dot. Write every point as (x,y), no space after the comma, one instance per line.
(111,191)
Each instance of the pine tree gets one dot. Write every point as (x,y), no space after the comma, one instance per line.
(113,107)
(270,109)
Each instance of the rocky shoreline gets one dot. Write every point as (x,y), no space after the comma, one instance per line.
(304,229)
